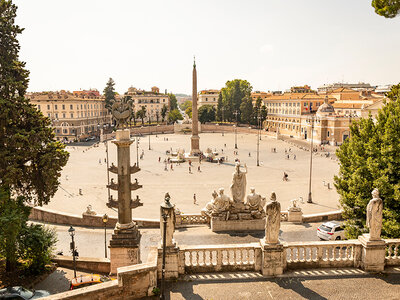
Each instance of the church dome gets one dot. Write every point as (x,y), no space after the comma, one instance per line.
(326,107)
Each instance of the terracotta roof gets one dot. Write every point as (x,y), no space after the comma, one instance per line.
(299,96)
(343,90)
(348,105)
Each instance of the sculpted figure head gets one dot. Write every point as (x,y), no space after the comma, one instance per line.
(237,166)
(252,190)
(221,191)
(375,193)
(273,196)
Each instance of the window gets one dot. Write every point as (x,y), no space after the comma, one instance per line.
(56,116)
(305,104)
(48,115)
(55,106)
(81,106)
(70,107)
(48,106)
(328,133)
(63,107)
(77,106)
(38,107)
(63,116)
(65,131)
(72,116)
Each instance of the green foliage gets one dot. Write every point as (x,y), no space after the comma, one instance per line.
(36,244)
(207,113)
(173,103)
(141,114)
(370,159)
(185,105)
(220,115)
(164,111)
(246,110)
(188,111)
(232,95)
(30,159)
(109,93)
(174,115)
(386,8)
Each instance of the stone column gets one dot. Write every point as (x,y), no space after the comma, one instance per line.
(125,241)
(167,211)
(373,247)
(273,260)
(195,140)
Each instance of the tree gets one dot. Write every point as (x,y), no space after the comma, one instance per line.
(173,103)
(220,116)
(157,116)
(164,111)
(141,114)
(386,8)
(247,111)
(188,112)
(370,159)
(207,113)
(30,158)
(185,105)
(109,93)
(232,96)
(174,115)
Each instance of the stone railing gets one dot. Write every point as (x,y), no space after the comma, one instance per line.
(392,256)
(322,254)
(220,258)
(191,219)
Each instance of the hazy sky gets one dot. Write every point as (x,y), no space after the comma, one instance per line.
(274,45)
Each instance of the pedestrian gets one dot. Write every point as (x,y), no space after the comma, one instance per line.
(285,151)
(172,167)
(198,169)
(249,154)
(294,156)
(165,167)
(194,199)
(159,159)
(226,158)
(190,170)
(225,145)
(100,161)
(105,160)
(288,157)
(290,149)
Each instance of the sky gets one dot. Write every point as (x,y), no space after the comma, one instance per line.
(273,44)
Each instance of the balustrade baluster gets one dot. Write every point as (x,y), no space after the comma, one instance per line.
(396,251)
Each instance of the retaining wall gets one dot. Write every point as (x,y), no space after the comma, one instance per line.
(89,264)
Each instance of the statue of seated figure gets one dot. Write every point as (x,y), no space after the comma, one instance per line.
(220,203)
(255,201)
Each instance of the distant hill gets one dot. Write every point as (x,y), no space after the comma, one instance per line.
(182,95)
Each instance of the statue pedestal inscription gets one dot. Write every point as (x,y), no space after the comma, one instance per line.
(295,215)
(218,225)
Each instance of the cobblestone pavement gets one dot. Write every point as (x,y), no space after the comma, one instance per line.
(84,171)
(311,284)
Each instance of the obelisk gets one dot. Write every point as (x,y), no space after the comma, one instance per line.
(195,140)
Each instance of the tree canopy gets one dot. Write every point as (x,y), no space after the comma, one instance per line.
(30,158)
(109,93)
(173,103)
(386,8)
(207,113)
(370,159)
(174,115)
(232,95)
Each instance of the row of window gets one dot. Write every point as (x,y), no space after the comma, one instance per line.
(305,104)
(149,100)
(82,114)
(284,111)
(82,106)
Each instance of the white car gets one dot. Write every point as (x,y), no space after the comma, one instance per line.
(331,231)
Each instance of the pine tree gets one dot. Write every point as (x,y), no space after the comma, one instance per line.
(30,158)
(109,93)
(370,159)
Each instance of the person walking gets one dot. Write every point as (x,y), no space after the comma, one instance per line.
(194,199)
(159,159)
(198,169)
(172,167)
(190,170)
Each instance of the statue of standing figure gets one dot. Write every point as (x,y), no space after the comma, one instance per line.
(238,187)
(255,201)
(273,220)
(374,216)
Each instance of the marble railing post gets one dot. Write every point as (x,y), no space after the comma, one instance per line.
(171,249)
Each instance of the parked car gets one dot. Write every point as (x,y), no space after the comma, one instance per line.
(87,280)
(18,292)
(331,231)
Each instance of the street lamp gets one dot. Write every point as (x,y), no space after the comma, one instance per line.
(166,211)
(137,150)
(309,200)
(236,114)
(149,137)
(71,231)
(105,220)
(222,110)
(258,138)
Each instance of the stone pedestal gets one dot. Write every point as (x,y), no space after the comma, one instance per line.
(171,261)
(218,225)
(272,259)
(195,145)
(372,254)
(295,215)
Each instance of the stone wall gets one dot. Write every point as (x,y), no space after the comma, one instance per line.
(44,215)
(90,264)
(133,282)
(321,217)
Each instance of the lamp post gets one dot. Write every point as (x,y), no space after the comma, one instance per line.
(236,114)
(165,217)
(137,150)
(108,171)
(258,138)
(222,110)
(149,136)
(71,231)
(105,220)
(309,200)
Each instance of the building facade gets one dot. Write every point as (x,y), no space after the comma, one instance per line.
(208,97)
(152,101)
(74,116)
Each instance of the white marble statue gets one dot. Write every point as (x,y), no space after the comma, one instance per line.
(272,221)
(374,216)
(238,187)
(89,211)
(255,201)
(222,202)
